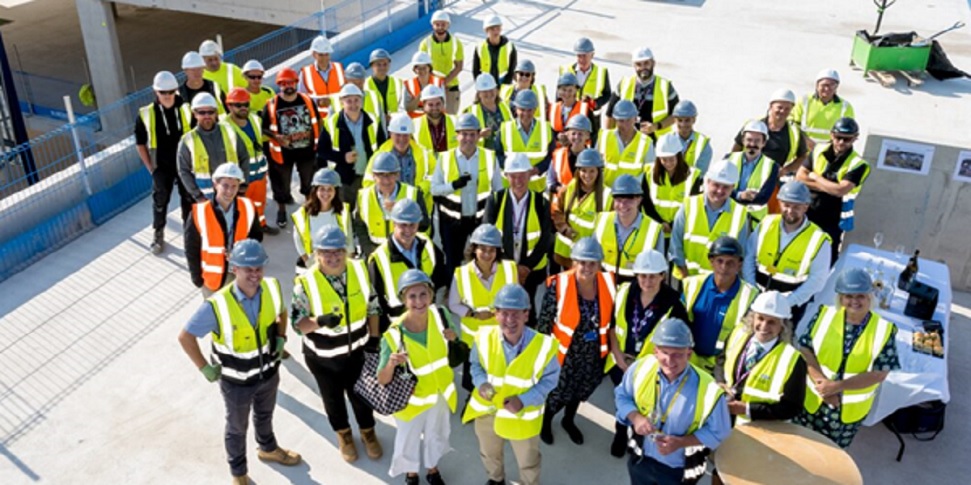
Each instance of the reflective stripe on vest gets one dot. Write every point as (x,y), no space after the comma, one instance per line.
(789,267)
(620,259)
(323,299)
(568,309)
(428,362)
(451,205)
(213,241)
(473,294)
(390,272)
(697,236)
(245,351)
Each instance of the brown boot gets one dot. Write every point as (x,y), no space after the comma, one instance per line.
(371,444)
(346,441)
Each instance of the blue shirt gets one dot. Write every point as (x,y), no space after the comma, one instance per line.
(536,395)
(682,410)
(709,313)
(204,322)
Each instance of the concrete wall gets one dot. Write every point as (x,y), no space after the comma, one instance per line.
(278,12)
(929,212)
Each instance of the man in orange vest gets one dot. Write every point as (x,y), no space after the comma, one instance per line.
(216,225)
(291,124)
(323,77)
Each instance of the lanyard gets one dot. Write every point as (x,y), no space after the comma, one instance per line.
(663,418)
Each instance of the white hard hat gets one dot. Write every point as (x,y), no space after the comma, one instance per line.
(757,126)
(773,304)
(210,48)
(350,90)
(668,145)
(165,81)
(321,45)
(204,100)
(828,74)
(485,82)
(421,58)
(492,21)
(783,95)
(723,172)
(192,60)
(401,124)
(642,54)
(253,65)
(441,16)
(431,92)
(230,170)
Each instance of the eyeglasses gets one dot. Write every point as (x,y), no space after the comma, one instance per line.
(257,76)
(166,93)
(205,112)
(239,105)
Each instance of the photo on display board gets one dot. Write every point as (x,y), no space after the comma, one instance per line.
(962,170)
(906,157)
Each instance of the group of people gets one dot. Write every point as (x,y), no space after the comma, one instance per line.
(423,232)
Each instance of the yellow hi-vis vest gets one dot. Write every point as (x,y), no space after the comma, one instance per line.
(200,157)
(510,380)
(619,257)
(767,379)
(668,198)
(423,134)
(451,204)
(817,119)
(852,162)
(148,117)
(533,229)
(246,351)
(391,271)
(473,294)
(301,224)
(379,226)
(697,236)
(621,327)
(631,160)
(597,74)
(786,268)
(428,362)
(257,160)
(646,376)
(733,316)
(827,335)
(659,105)
(695,148)
(352,332)
(506,92)
(582,217)
(759,177)
(535,148)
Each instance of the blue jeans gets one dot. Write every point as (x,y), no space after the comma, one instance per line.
(648,471)
(261,398)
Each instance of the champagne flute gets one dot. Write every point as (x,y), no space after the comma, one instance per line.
(877,240)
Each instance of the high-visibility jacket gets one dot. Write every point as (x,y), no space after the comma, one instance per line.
(852,162)
(759,177)
(428,362)
(533,228)
(631,160)
(659,106)
(473,294)
(414,87)
(423,133)
(697,236)
(619,256)
(667,198)
(352,332)
(695,148)
(767,379)
(733,316)
(621,327)
(301,224)
(201,168)
(276,152)
(535,148)
(214,240)
(827,335)
(485,58)
(816,119)
(315,83)
(508,380)
(558,122)
(379,226)
(393,99)
(443,54)
(582,216)
(568,309)
(391,271)
(506,92)
(786,268)
(245,349)
(451,205)
(147,115)
(561,165)
(598,76)
(228,76)
(479,113)
(257,161)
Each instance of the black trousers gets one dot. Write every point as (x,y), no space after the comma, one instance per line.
(280,174)
(239,400)
(455,235)
(335,378)
(162,180)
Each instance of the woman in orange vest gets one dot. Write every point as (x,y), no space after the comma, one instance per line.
(576,310)
(568,105)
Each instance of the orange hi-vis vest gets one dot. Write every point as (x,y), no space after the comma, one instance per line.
(561,165)
(556,114)
(414,88)
(214,241)
(315,83)
(276,151)
(568,309)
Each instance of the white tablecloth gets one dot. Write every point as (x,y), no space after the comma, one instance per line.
(922,377)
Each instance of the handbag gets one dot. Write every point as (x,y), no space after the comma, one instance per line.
(385,399)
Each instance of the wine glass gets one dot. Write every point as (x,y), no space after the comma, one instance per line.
(877,240)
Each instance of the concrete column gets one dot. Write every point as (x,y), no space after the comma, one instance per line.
(103,53)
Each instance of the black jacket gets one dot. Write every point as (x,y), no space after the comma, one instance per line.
(193,242)
(542,207)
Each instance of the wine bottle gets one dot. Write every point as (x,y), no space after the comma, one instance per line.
(909,273)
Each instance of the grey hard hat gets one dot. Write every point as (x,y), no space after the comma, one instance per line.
(579,122)
(326,176)
(626,185)
(526,65)
(406,211)
(624,110)
(726,246)
(568,79)
(385,162)
(511,297)
(583,45)
(355,70)
(590,158)
(330,237)
(526,99)
(486,235)
(248,253)
(587,249)
(673,332)
(468,121)
(685,109)
(411,278)
(795,192)
(853,281)
(378,54)
(650,262)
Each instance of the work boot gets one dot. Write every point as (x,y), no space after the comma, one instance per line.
(371,444)
(241,480)
(346,442)
(158,244)
(270,230)
(281,216)
(281,456)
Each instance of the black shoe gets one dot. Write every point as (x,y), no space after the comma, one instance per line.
(281,217)
(619,446)
(571,429)
(412,480)
(270,230)
(158,243)
(434,479)
(546,434)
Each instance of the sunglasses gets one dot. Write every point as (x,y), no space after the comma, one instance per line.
(239,105)
(167,93)
(205,112)
(254,77)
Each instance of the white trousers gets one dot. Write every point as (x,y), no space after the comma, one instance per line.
(431,427)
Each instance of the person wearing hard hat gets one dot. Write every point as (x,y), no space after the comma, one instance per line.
(324,207)
(525,80)
(508,398)
(447,57)
(758,175)
(417,163)
(705,217)
(695,146)
(421,65)
(336,312)
(564,163)
(529,136)
(193,67)
(259,94)
(491,111)
(568,105)
(496,55)
(226,74)
(206,147)
(639,307)
(675,410)
(789,253)
(355,74)
(849,351)
(372,221)
(435,129)
(461,184)
(593,79)
(654,96)
(817,112)
(522,216)
(247,128)
(626,231)
(389,89)
(576,311)
(324,76)
(291,124)
(764,376)
(158,128)
(625,149)
(835,174)
(786,143)
(574,207)
(670,182)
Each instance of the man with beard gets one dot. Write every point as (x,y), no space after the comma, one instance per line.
(447,57)
(788,253)
(654,96)
(758,174)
